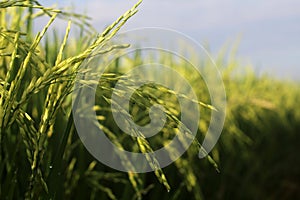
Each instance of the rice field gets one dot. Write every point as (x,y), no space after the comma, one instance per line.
(42,156)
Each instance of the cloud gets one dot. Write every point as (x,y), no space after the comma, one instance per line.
(192,14)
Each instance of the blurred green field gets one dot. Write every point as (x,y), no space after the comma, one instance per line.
(42,157)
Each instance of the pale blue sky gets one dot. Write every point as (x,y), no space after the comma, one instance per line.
(269,30)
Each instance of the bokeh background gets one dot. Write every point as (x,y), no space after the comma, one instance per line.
(267,31)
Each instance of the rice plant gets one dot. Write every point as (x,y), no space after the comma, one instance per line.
(42,157)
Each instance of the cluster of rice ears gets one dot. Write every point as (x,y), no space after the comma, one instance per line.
(40,156)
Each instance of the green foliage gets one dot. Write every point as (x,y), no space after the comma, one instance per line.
(41,156)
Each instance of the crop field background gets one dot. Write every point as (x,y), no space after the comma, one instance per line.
(42,157)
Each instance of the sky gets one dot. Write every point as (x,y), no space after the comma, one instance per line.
(268,31)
